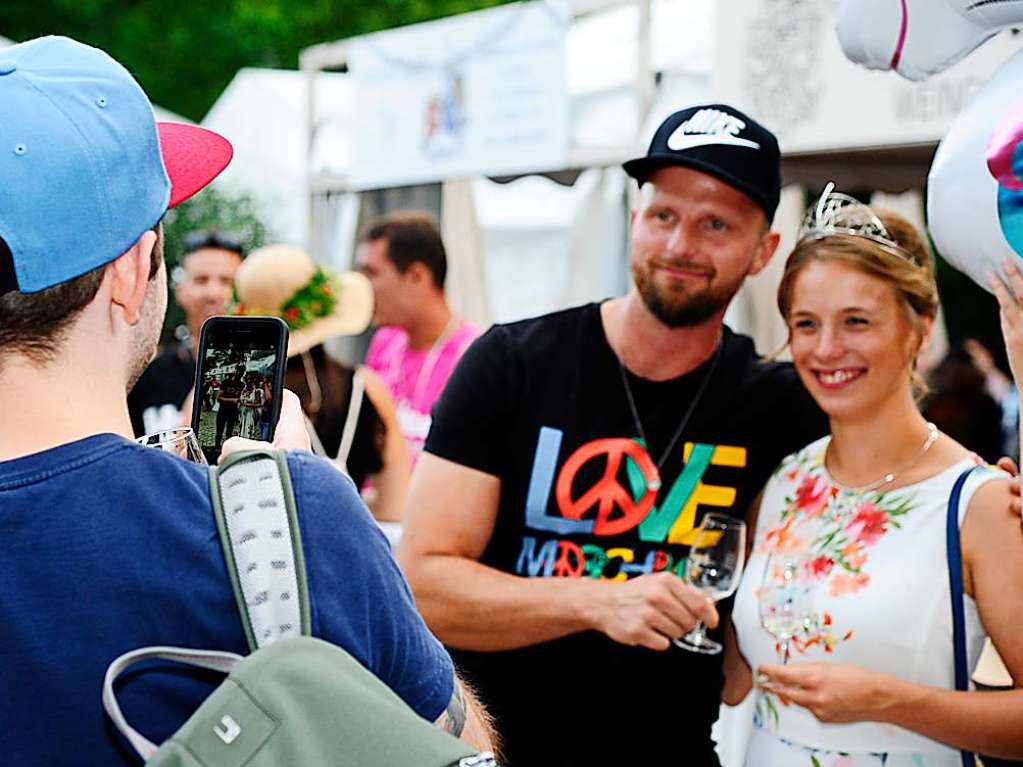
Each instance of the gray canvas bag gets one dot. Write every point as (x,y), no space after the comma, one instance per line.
(295,700)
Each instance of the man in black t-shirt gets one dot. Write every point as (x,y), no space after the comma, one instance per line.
(572,457)
(202,286)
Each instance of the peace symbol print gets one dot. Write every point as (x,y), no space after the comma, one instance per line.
(607,494)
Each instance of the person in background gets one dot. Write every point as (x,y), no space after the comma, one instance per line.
(420,339)
(958,401)
(1002,390)
(350,412)
(202,286)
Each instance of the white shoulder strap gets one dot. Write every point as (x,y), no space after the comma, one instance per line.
(258,523)
(352,419)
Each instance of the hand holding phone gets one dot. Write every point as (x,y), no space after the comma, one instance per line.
(239,380)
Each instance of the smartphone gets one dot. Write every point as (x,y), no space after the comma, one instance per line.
(239,378)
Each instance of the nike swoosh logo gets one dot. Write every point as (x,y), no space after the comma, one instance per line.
(680,140)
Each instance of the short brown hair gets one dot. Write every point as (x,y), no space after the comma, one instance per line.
(36,324)
(411,235)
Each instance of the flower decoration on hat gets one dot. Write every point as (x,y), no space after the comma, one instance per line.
(313,301)
(316,303)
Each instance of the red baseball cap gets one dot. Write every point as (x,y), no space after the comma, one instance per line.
(193,157)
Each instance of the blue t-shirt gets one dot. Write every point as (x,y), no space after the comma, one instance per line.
(109,546)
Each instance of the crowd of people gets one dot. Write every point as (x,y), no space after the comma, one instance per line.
(539,485)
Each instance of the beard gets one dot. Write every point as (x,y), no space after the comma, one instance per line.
(680,308)
(146,333)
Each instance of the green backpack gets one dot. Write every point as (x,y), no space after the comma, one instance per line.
(295,700)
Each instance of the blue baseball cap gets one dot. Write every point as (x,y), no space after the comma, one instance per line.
(84,166)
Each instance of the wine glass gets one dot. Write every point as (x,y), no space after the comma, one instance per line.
(713,567)
(785,603)
(180,441)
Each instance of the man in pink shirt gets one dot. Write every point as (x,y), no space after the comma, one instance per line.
(420,339)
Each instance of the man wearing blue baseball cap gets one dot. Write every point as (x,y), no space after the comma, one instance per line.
(573,456)
(108,545)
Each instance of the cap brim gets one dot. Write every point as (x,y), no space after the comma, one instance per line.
(352,315)
(193,157)
(643,167)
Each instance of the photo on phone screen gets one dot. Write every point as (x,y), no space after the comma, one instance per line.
(238,380)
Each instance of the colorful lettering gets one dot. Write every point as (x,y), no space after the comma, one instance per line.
(535,564)
(571,560)
(545,463)
(596,560)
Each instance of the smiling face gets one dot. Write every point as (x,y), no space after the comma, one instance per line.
(852,339)
(205,290)
(694,240)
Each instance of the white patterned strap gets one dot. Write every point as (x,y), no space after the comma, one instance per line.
(262,545)
(217,661)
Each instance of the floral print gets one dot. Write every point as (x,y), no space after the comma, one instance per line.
(830,530)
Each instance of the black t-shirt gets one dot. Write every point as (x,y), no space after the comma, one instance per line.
(155,402)
(541,405)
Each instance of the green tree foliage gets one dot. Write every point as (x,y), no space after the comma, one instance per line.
(184,52)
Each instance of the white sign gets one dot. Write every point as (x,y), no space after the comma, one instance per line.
(479,94)
(780,61)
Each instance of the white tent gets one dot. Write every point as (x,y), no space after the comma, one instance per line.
(264,114)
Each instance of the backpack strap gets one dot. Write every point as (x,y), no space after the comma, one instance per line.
(254,506)
(955,580)
(217,661)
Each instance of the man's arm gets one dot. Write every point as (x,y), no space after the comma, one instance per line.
(465,718)
(449,519)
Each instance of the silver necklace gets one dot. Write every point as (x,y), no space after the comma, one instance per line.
(655,482)
(932,437)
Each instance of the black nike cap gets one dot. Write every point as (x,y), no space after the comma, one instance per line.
(720,141)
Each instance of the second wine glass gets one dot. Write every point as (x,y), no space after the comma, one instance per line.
(785,604)
(714,567)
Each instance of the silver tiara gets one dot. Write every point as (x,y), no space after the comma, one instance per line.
(837,213)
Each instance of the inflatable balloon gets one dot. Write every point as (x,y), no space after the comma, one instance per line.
(918,38)
(975,186)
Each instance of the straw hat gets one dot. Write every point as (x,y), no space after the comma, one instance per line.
(283,281)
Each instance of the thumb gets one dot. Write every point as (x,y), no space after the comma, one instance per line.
(772,672)
(238,444)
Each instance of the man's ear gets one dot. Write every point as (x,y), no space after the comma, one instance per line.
(419,273)
(766,248)
(130,275)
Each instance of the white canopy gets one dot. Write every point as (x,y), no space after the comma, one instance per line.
(263,112)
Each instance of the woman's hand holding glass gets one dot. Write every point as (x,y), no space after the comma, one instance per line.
(785,603)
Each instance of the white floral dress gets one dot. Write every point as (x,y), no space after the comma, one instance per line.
(874,572)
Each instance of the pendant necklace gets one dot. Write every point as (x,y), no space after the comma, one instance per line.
(654,483)
(887,479)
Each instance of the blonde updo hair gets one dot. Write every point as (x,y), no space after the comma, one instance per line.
(911,277)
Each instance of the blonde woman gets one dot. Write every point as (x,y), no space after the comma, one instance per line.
(854,525)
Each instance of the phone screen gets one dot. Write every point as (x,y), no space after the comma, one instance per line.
(238,381)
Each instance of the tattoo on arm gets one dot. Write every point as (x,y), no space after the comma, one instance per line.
(454,715)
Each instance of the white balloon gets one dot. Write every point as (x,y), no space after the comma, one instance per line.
(919,38)
(975,186)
